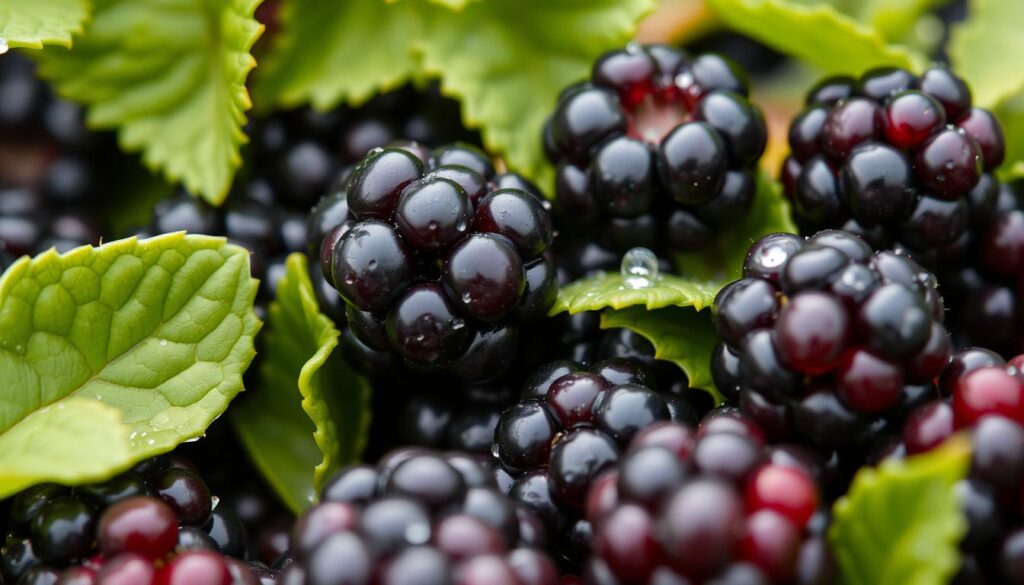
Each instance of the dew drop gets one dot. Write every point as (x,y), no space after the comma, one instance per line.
(433,225)
(372,265)
(420,337)
(163,342)
(467,298)
(639,268)
(3,45)
(457,324)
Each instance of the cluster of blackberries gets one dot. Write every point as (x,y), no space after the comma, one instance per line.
(984,395)
(658,149)
(711,506)
(439,258)
(419,517)
(824,339)
(570,425)
(157,523)
(49,166)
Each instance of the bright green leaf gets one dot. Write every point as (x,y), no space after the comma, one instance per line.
(818,34)
(722,261)
(610,291)
(1011,117)
(170,75)
(894,19)
(159,330)
(901,524)
(309,414)
(682,336)
(508,61)
(34,23)
(982,49)
(329,52)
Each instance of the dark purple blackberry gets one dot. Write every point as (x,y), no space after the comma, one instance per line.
(419,516)
(705,507)
(827,335)
(659,139)
(441,265)
(572,423)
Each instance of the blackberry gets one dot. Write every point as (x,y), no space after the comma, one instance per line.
(987,401)
(419,516)
(706,506)
(434,259)
(124,528)
(657,149)
(571,424)
(825,333)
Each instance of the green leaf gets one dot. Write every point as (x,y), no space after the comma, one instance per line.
(722,261)
(508,61)
(309,414)
(610,291)
(894,19)
(34,23)
(1011,116)
(901,524)
(329,52)
(170,75)
(818,34)
(682,336)
(981,48)
(142,342)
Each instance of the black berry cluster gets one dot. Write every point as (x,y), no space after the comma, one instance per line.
(49,166)
(984,396)
(895,157)
(711,506)
(157,523)
(657,149)
(824,339)
(570,425)
(439,258)
(418,517)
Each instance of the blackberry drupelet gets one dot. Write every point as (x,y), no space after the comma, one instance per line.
(418,516)
(657,149)
(439,262)
(685,506)
(825,340)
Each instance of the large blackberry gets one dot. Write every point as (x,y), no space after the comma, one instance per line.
(826,340)
(419,516)
(154,524)
(657,150)
(440,261)
(985,396)
(570,425)
(711,506)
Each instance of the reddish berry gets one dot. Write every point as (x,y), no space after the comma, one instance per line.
(785,490)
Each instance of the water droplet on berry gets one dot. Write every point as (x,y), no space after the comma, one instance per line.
(457,324)
(372,265)
(467,298)
(3,45)
(639,268)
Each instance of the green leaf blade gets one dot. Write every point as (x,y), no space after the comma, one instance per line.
(309,415)
(683,336)
(978,48)
(902,523)
(31,24)
(817,34)
(171,77)
(158,331)
(611,291)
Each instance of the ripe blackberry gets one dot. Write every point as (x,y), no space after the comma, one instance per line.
(657,149)
(438,263)
(125,528)
(986,400)
(419,516)
(895,158)
(826,334)
(683,506)
(571,424)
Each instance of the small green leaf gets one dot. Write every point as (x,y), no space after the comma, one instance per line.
(309,414)
(722,261)
(980,49)
(682,336)
(329,52)
(610,291)
(508,61)
(170,75)
(155,331)
(818,34)
(901,524)
(34,23)
(1011,116)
